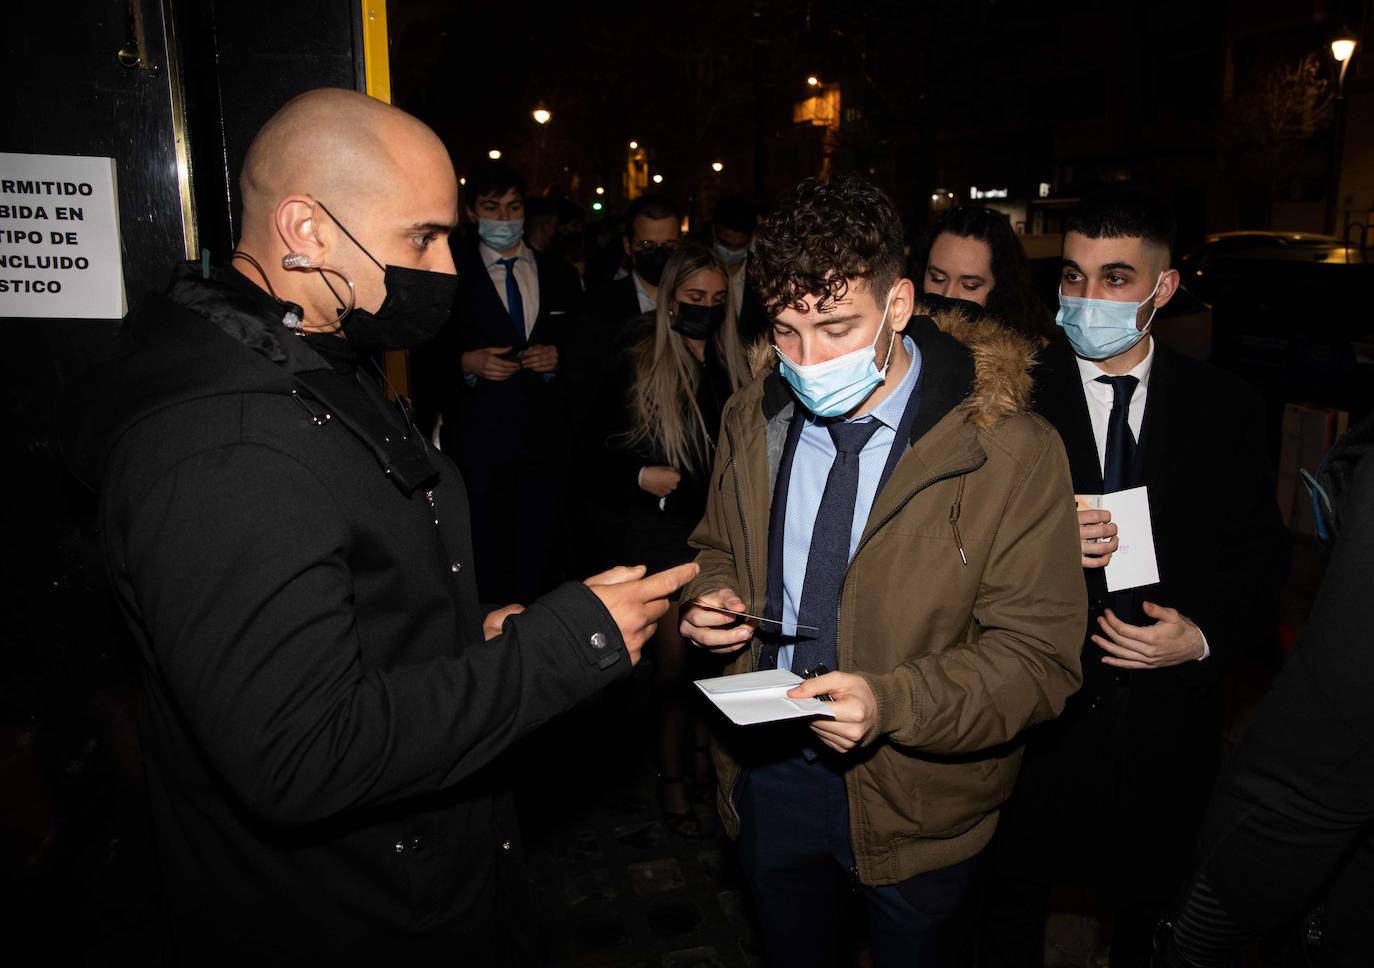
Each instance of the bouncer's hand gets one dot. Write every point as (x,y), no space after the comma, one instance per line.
(491,625)
(637,603)
(716,630)
(1095,524)
(852,702)
(487,363)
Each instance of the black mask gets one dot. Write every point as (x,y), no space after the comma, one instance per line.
(698,322)
(649,263)
(417,304)
(938,303)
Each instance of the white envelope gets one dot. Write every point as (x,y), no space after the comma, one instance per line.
(1134,563)
(760,697)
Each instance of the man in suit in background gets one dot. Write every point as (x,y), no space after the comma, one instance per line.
(1110,794)
(653,228)
(733,222)
(494,371)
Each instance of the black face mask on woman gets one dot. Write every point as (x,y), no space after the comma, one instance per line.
(698,322)
(417,304)
(936,302)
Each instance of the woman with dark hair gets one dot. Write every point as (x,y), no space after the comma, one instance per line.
(973,261)
(658,418)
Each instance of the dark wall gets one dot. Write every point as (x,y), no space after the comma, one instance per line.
(79,872)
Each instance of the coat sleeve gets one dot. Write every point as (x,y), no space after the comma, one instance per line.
(1298,797)
(237,564)
(1021,662)
(607,427)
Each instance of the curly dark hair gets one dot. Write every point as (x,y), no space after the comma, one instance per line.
(822,236)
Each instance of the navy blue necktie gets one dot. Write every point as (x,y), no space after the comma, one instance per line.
(828,558)
(1116,466)
(514,304)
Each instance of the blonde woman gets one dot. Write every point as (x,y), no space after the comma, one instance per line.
(659,415)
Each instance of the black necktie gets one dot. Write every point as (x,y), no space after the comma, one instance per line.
(828,558)
(514,304)
(1116,466)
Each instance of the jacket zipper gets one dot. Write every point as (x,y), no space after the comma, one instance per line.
(953,520)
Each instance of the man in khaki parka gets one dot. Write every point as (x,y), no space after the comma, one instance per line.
(884,486)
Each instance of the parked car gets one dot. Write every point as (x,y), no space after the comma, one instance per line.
(1198,267)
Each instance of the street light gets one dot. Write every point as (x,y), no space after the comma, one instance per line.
(494,154)
(634,145)
(813,81)
(658,179)
(541,115)
(717,166)
(600,190)
(1342,48)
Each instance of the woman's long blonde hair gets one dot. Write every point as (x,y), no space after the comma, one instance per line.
(663,403)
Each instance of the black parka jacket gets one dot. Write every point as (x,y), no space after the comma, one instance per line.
(321,713)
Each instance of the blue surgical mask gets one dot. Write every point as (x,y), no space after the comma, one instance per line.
(1099,329)
(501,235)
(731,257)
(837,386)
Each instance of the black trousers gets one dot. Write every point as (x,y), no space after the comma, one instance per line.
(795,851)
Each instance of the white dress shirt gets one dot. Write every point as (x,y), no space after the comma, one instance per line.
(526,277)
(646,301)
(1099,397)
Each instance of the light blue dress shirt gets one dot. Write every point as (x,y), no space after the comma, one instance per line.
(810,468)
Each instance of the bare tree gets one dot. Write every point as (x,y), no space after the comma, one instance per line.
(1267,130)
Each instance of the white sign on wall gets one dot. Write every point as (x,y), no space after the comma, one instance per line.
(59,237)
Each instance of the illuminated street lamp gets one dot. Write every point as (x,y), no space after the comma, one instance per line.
(717,166)
(634,145)
(658,179)
(541,115)
(494,154)
(813,81)
(462,181)
(1343,49)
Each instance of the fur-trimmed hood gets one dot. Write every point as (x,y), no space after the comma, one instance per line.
(1002,362)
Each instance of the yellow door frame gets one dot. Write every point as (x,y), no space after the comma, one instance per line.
(377,77)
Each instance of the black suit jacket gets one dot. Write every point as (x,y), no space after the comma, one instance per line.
(593,345)
(1123,773)
(496,421)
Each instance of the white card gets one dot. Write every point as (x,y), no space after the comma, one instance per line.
(1134,562)
(760,697)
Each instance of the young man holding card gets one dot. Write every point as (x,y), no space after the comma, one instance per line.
(1183,553)
(883,506)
